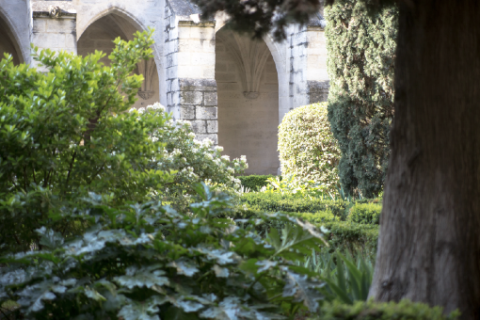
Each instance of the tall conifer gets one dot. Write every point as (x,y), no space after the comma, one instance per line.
(361,47)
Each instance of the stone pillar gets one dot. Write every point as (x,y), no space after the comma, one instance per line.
(190,63)
(318,82)
(309,82)
(54,27)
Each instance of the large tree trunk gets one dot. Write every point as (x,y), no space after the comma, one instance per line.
(429,246)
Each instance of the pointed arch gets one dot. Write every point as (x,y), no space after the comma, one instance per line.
(248,100)
(105,26)
(103,11)
(9,39)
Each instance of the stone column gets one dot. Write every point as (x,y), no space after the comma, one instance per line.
(191,85)
(318,82)
(54,27)
(309,82)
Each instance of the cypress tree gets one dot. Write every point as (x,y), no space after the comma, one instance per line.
(361,42)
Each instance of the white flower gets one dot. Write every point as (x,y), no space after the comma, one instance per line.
(191,135)
(219,148)
(225,157)
(208,142)
(141,110)
(132,110)
(209,156)
(156,106)
(243,158)
(184,123)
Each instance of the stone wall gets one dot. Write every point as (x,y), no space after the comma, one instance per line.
(198,101)
(54,28)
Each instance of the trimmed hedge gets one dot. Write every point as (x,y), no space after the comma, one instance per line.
(344,233)
(330,214)
(341,234)
(307,147)
(366,213)
(255,182)
(403,310)
(279,202)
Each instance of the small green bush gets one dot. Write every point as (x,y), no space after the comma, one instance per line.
(366,213)
(403,310)
(274,202)
(307,147)
(340,234)
(254,182)
(343,234)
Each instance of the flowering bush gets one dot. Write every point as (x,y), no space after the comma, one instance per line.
(192,161)
(307,147)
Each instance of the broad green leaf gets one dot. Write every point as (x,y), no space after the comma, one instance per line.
(142,278)
(302,290)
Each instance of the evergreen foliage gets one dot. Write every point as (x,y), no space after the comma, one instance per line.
(254,182)
(403,310)
(308,150)
(367,213)
(361,41)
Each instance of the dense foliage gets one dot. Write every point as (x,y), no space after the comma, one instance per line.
(367,213)
(67,132)
(332,216)
(194,162)
(274,202)
(361,42)
(254,182)
(258,17)
(403,310)
(307,147)
(149,260)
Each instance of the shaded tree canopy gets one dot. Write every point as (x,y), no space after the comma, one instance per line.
(258,17)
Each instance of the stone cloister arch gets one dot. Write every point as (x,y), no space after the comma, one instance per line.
(8,41)
(99,35)
(248,100)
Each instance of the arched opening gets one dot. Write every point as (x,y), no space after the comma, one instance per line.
(100,35)
(247,84)
(8,43)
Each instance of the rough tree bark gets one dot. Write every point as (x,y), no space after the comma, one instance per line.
(429,246)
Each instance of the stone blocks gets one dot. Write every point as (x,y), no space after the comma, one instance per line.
(198,104)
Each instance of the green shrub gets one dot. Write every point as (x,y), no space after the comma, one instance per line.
(274,202)
(366,213)
(403,310)
(194,162)
(151,262)
(254,182)
(343,234)
(348,277)
(307,147)
(66,132)
(361,42)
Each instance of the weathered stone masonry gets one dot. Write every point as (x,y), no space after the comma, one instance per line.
(236,99)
